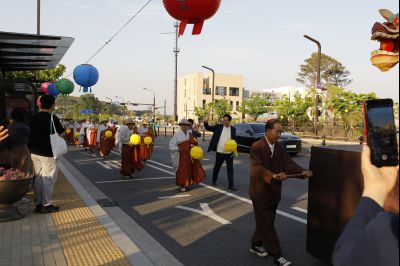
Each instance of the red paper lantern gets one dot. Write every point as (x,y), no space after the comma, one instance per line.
(192,12)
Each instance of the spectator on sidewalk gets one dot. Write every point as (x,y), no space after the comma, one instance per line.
(372,235)
(18,142)
(222,133)
(270,165)
(46,168)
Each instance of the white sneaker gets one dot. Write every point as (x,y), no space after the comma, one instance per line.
(282,262)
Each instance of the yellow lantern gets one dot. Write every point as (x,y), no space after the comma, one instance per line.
(196,153)
(68,131)
(135,139)
(76,135)
(108,134)
(231,146)
(148,140)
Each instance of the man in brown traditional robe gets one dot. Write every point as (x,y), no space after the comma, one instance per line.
(270,165)
(188,171)
(146,150)
(130,154)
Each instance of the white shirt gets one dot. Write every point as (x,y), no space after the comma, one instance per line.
(101,129)
(271,146)
(225,136)
(124,135)
(143,131)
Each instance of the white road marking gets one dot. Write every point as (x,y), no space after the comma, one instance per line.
(104,165)
(300,209)
(176,196)
(133,180)
(206,211)
(160,169)
(166,166)
(285,214)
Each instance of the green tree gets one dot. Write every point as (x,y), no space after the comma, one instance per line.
(89,101)
(293,111)
(255,106)
(201,112)
(51,75)
(333,72)
(221,108)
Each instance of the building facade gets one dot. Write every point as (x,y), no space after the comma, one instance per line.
(195,90)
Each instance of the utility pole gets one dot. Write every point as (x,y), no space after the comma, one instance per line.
(318,85)
(176,51)
(165,110)
(212,89)
(37,31)
(154,104)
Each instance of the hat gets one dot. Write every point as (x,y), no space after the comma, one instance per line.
(145,122)
(184,122)
(129,121)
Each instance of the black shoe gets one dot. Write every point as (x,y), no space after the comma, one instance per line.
(281,261)
(214,183)
(232,189)
(49,209)
(258,250)
(38,208)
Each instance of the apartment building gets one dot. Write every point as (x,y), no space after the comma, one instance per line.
(195,90)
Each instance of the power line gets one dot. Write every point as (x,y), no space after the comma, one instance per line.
(115,35)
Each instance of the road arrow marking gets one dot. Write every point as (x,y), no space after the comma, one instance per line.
(206,211)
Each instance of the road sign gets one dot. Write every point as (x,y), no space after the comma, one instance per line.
(87,111)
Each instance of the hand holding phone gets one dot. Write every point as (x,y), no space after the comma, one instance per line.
(380,132)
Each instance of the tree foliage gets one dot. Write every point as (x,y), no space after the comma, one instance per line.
(51,75)
(333,72)
(221,108)
(293,111)
(255,106)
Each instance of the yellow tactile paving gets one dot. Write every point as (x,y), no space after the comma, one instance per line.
(83,238)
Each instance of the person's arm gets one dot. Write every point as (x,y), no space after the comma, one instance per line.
(378,182)
(257,164)
(196,134)
(173,146)
(3,133)
(207,126)
(59,128)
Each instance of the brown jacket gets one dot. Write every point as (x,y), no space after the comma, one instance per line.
(263,188)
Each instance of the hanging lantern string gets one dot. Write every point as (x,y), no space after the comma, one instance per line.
(115,35)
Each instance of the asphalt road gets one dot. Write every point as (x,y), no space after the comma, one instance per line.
(207,225)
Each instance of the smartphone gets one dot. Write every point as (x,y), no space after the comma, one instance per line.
(380,132)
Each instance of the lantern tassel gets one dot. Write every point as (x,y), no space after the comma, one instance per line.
(197,28)
(182,27)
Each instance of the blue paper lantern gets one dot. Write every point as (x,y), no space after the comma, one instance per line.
(52,89)
(86,76)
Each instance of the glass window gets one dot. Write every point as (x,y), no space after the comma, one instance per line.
(258,128)
(233,91)
(220,91)
(237,106)
(204,103)
(231,103)
(207,91)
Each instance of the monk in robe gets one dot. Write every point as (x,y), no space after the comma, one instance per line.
(188,171)
(101,138)
(83,139)
(146,150)
(136,158)
(110,144)
(92,136)
(130,155)
(77,128)
(70,136)
(270,165)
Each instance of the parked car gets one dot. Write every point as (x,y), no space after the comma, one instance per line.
(248,133)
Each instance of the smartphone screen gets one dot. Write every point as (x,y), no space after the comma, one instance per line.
(381,132)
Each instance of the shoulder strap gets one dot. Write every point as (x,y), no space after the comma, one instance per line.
(52,125)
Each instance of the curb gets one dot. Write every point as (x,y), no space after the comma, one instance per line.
(121,227)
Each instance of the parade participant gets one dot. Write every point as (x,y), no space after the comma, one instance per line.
(101,138)
(136,158)
(188,171)
(3,133)
(270,165)
(193,129)
(18,142)
(92,135)
(77,129)
(129,162)
(46,167)
(83,141)
(111,142)
(222,133)
(146,149)
(69,134)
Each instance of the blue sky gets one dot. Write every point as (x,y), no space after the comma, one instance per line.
(260,39)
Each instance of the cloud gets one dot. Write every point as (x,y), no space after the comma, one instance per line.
(298,26)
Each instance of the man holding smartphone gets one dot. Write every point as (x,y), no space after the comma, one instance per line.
(222,133)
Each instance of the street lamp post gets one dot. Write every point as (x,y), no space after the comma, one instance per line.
(121,104)
(212,89)
(111,102)
(318,85)
(154,104)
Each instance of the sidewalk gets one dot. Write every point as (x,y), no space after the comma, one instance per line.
(82,233)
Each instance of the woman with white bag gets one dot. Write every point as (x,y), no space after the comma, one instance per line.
(46,144)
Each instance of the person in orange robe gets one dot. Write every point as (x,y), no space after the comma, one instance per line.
(146,150)
(188,171)
(92,136)
(130,154)
(102,139)
(111,142)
